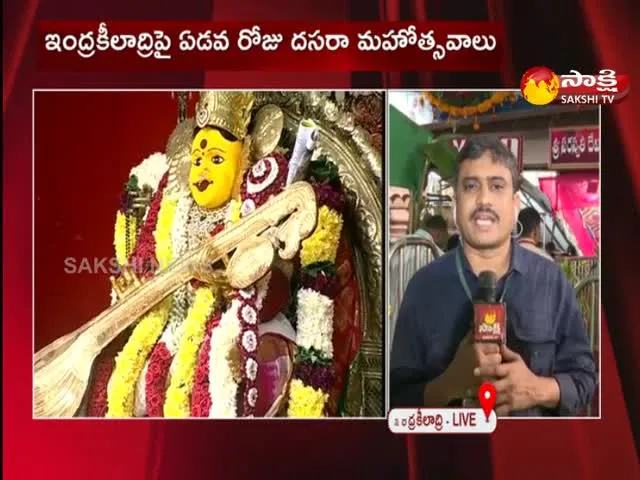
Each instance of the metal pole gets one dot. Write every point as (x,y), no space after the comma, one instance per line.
(183,104)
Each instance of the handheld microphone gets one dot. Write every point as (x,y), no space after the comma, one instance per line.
(489,316)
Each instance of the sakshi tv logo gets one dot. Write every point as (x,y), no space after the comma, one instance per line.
(542,86)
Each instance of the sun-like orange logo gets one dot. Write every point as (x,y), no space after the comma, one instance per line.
(540,85)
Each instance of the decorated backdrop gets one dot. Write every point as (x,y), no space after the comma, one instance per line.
(575,199)
(478,105)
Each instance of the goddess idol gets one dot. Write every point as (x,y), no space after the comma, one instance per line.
(250,264)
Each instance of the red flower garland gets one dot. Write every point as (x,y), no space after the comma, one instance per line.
(265,179)
(156,380)
(257,186)
(103,368)
(97,405)
(200,397)
(144,255)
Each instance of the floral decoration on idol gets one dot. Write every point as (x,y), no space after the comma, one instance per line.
(166,384)
(178,398)
(233,346)
(129,363)
(171,243)
(313,372)
(143,178)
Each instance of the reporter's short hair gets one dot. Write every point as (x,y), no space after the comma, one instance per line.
(476,147)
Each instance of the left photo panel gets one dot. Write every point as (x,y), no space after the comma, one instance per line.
(208,254)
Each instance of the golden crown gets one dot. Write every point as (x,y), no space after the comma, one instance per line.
(230,111)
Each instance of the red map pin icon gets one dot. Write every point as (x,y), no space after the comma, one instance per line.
(487,396)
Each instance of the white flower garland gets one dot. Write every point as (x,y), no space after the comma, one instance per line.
(151,170)
(179,228)
(222,386)
(140,402)
(223,389)
(315,325)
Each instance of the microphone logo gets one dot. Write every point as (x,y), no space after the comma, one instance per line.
(490,318)
(489,322)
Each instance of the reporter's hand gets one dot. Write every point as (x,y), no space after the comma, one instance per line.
(469,356)
(487,355)
(517,387)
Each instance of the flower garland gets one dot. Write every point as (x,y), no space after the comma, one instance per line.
(251,301)
(237,334)
(131,360)
(482,104)
(97,404)
(200,398)
(168,379)
(148,173)
(178,401)
(144,255)
(223,381)
(265,179)
(233,353)
(306,402)
(171,237)
(478,105)
(313,372)
(151,171)
(124,237)
(170,243)
(163,232)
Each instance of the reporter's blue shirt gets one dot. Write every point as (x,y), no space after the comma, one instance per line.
(545,326)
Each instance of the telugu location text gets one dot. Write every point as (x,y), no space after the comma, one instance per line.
(441,420)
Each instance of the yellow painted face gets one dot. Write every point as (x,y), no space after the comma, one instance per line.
(215,165)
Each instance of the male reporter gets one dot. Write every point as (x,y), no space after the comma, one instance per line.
(546,367)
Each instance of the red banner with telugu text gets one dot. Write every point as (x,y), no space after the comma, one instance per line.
(574,147)
(270,46)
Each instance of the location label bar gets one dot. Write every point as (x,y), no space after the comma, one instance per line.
(441,420)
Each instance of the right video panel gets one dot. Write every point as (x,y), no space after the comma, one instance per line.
(493,263)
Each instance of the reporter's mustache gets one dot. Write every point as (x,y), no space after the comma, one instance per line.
(484,210)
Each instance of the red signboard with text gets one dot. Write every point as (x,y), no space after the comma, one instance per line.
(574,148)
